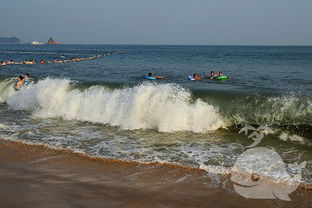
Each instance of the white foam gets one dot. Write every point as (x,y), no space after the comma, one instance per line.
(285,137)
(165,107)
(6,89)
(2,126)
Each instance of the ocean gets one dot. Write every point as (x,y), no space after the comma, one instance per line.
(105,108)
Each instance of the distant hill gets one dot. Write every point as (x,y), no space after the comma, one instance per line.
(9,40)
(51,41)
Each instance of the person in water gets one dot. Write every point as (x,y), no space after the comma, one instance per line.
(156,77)
(26,79)
(212,75)
(2,63)
(20,82)
(196,77)
(10,62)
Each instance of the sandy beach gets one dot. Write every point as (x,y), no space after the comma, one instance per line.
(36,176)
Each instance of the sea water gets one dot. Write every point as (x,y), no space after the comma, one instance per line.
(105,108)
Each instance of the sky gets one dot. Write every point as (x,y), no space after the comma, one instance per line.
(195,22)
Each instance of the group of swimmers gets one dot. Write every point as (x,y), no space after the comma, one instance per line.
(212,75)
(195,77)
(22,81)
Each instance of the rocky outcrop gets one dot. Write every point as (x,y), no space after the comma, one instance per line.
(9,40)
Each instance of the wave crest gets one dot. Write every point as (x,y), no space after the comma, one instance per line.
(165,107)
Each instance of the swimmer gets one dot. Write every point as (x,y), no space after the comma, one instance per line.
(10,62)
(212,75)
(19,83)
(156,77)
(196,77)
(26,79)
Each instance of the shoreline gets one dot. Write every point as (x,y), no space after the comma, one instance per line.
(225,175)
(38,176)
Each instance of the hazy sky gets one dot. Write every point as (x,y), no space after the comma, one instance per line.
(221,22)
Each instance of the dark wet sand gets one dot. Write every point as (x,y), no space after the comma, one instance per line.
(36,176)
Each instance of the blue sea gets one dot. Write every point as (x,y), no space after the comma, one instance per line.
(105,108)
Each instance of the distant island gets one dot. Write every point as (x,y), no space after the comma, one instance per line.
(9,40)
(51,41)
(15,40)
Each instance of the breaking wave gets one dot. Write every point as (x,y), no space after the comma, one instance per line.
(164,107)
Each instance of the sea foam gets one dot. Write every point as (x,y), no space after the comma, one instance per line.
(164,107)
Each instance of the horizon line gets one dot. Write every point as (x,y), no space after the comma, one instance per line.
(169,44)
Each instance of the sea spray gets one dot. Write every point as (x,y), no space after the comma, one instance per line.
(165,107)
(6,89)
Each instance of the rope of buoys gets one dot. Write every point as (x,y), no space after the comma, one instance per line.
(61,60)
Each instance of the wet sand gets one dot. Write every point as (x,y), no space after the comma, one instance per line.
(36,176)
